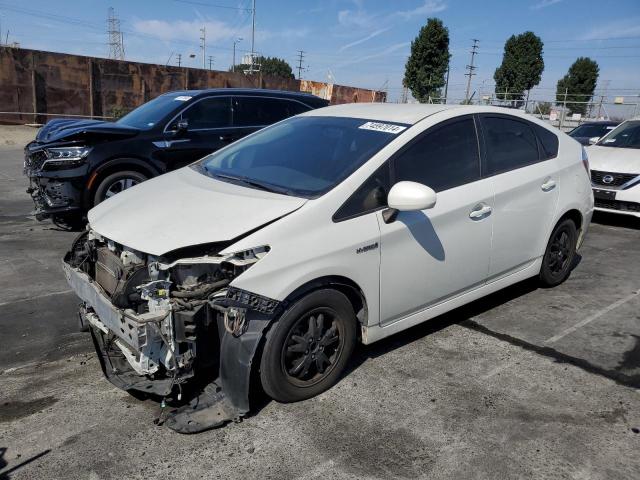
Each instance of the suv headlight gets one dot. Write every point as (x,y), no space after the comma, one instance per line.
(66,156)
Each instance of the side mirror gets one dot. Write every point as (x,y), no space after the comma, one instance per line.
(180,126)
(593,140)
(406,197)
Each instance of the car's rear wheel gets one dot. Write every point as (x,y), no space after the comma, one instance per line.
(559,255)
(308,348)
(115,183)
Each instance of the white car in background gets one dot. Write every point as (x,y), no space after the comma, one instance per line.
(615,170)
(270,258)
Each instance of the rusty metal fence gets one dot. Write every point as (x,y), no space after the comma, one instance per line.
(36,85)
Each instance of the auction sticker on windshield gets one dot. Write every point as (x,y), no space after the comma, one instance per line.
(383,127)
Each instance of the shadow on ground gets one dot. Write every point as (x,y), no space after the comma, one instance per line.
(616,220)
(3,463)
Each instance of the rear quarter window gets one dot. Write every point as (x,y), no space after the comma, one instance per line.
(260,111)
(548,142)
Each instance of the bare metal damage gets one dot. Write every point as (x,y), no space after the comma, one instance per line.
(172,328)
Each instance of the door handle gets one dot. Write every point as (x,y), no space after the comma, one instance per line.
(548,185)
(480,211)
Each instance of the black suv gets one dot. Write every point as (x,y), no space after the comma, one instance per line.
(73,165)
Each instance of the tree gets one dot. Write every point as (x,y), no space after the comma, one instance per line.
(428,62)
(579,84)
(270,66)
(521,67)
(544,108)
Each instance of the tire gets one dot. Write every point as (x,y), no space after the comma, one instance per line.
(115,183)
(558,258)
(288,372)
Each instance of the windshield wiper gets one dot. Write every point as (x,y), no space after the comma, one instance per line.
(250,182)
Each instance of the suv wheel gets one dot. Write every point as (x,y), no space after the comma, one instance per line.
(308,348)
(116,183)
(558,257)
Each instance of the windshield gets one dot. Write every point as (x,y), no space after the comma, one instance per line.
(149,114)
(591,130)
(626,135)
(301,156)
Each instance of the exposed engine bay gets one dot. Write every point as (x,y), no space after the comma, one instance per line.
(172,326)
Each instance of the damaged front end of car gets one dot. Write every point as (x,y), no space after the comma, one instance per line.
(172,326)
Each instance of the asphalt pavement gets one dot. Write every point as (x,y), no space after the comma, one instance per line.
(527,383)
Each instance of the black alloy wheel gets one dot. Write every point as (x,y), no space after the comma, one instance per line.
(312,348)
(308,347)
(559,255)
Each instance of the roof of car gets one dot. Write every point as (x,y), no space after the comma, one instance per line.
(601,122)
(236,91)
(407,113)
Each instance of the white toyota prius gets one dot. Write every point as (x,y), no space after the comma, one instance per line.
(269,259)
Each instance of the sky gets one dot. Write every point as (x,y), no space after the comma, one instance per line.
(362,43)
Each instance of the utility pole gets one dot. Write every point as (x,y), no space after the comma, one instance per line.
(405,95)
(203,45)
(564,108)
(210,62)
(446,85)
(253,34)
(235,42)
(179,57)
(116,39)
(300,57)
(604,94)
(471,68)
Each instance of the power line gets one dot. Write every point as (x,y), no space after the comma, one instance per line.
(116,40)
(204,4)
(471,67)
(93,26)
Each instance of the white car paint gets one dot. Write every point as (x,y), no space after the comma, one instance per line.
(409,196)
(463,255)
(617,160)
(156,216)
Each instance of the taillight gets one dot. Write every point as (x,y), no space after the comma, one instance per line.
(585,160)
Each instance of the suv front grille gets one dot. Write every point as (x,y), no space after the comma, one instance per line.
(34,160)
(618,205)
(618,179)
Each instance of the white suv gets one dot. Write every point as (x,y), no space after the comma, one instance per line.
(276,254)
(615,170)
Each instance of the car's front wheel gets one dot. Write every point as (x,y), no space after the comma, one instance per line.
(308,348)
(116,183)
(559,255)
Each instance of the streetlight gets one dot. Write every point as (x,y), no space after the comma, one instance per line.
(235,42)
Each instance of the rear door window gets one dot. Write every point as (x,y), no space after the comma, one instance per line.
(444,157)
(260,111)
(510,144)
(212,112)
